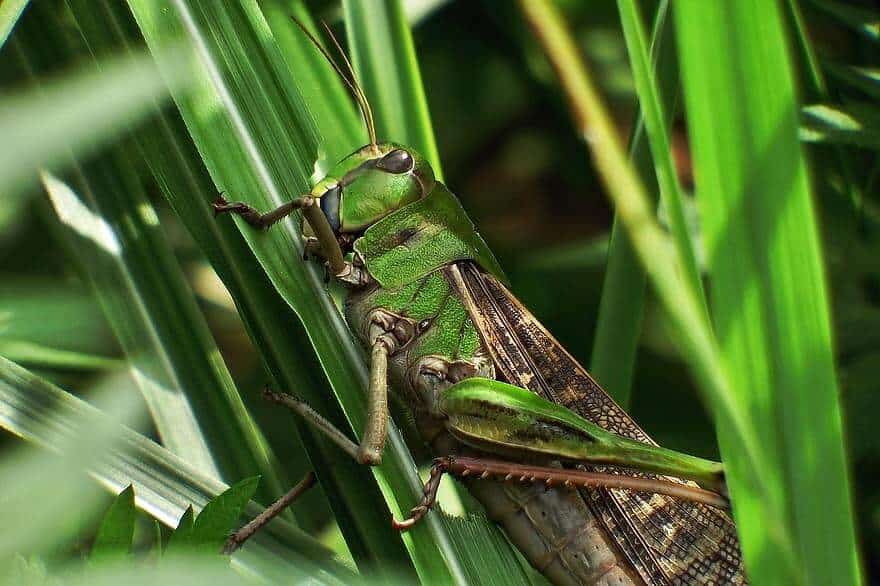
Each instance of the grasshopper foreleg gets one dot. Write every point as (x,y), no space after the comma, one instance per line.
(254,217)
(317,220)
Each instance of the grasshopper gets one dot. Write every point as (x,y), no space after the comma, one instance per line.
(577,486)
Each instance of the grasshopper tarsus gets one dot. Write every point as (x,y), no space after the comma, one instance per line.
(438,469)
(219,204)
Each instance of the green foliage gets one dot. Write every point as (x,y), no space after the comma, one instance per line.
(116,456)
(180,537)
(769,300)
(207,532)
(619,322)
(116,531)
(257,113)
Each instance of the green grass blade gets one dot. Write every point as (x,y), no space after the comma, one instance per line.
(170,344)
(10,12)
(76,114)
(769,301)
(259,144)
(656,123)
(175,164)
(39,489)
(866,79)
(39,356)
(862,20)
(619,320)
(815,89)
(384,56)
(753,475)
(98,250)
(208,422)
(165,485)
(53,313)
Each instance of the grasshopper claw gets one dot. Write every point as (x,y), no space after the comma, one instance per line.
(220,205)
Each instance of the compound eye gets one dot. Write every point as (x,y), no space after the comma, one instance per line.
(330,206)
(397,161)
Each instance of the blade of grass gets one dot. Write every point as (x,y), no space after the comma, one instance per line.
(753,477)
(165,484)
(656,123)
(107,27)
(339,124)
(275,329)
(196,407)
(621,306)
(10,12)
(866,79)
(36,512)
(383,54)
(206,420)
(258,143)
(53,313)
(37,355)
(862,20)
(98,252)
(75,113)
(815,89)
(768,293)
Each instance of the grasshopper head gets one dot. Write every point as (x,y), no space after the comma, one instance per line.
(371,183)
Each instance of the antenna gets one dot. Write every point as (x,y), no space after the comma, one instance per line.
(352,83)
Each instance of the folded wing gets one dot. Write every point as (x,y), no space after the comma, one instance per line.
(666,540)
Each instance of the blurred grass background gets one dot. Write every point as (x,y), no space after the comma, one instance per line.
(508,149)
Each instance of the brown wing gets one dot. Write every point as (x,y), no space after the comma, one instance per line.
(667,541)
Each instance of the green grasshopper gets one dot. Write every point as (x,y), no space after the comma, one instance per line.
(577,486)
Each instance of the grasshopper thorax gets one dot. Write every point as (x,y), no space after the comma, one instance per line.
(370,183)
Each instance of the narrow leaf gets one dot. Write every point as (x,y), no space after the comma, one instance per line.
(39,356)
(10,12)
(769,299)
(76,113)
(866,79)
(862,20)
(621,307)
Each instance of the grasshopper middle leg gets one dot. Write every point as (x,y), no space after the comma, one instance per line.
(368,451)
